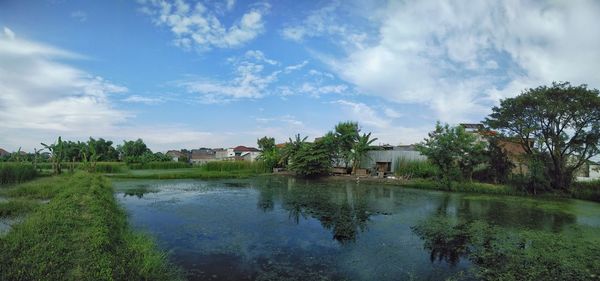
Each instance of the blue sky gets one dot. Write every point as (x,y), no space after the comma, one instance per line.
(186,74)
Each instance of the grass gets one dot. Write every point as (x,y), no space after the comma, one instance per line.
(476,187)
(211,170)
(415,168)
(81,234)
(158,165)
(16,173)
(17,207)
(588,190)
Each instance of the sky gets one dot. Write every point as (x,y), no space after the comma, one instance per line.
(189,74)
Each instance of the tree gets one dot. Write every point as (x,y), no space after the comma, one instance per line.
(560,121)
(359,150)
(132,151)
(311,159)
(291,148)
(499,165)
(453,150)
(266,144)
(346,134)
(57,153)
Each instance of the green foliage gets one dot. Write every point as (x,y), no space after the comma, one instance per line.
(159,165)
(345,136)
(587,190)
(266,144)
(498,167)
(561,121)
(57,154)
(17,207)
(82,234)
(231,166)
(455,152)
(359,150)
(312,159)
(16,172)
(291,148)
(132,151)
(416,169)
(271,155)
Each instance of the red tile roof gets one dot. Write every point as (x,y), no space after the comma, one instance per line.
(242,148)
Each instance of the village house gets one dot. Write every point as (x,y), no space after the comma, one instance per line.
(4,153)
(202,156)
(176,155)
(588,172)
(243,153)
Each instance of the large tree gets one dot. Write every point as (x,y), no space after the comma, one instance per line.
(560,121)
(346,134)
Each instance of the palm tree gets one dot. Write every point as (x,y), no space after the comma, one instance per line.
(291,148)
(57,152)
(359,150)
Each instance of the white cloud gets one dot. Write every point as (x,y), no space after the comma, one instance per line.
(79,15)
(250,81)
(316,90)
(144,99)
(196,25)
(459,57)
(40,93)
(260,56)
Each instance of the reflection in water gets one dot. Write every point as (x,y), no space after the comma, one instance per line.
(277,227)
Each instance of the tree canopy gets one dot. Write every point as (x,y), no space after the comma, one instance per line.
(560,121)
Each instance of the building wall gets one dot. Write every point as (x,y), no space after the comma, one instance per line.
(393,156)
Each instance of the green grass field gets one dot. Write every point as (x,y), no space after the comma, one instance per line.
(80,234)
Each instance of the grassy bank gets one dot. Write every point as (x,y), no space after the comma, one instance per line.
(81,234)
(16,173)
(211,170)
(159,165)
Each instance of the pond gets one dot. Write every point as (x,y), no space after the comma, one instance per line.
(279,228)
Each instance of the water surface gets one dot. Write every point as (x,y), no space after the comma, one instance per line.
(279,228)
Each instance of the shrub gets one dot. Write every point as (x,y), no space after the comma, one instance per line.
(416,168)
(587,190)
(16,172)
(226,166)
(158,165)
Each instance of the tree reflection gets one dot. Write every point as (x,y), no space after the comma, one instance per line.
(342,209)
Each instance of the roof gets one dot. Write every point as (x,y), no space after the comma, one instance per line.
(174,153)
(472,125)
(202,155)
(3,152)
(242,148)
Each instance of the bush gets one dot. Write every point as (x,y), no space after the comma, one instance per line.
(16,172)
(227,166)
(586,190)
(416,168)
(158,165)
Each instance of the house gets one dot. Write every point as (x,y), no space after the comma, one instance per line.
(175,155)
(220,154)
(515,153)
(589,171)
(4,153)
(243,153)
(386,160)
(202,156)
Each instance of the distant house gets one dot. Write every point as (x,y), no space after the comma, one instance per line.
(202,156)
(386,160)
(175,155)
(243,153)
(220,154)
(516,154)
(589,171)
(4,153)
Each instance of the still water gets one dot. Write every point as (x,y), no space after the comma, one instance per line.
(279,228)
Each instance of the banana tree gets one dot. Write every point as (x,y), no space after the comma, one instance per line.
(291,148)
(359,150)
(57,153)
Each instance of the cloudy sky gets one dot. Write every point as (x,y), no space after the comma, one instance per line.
(186,74)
